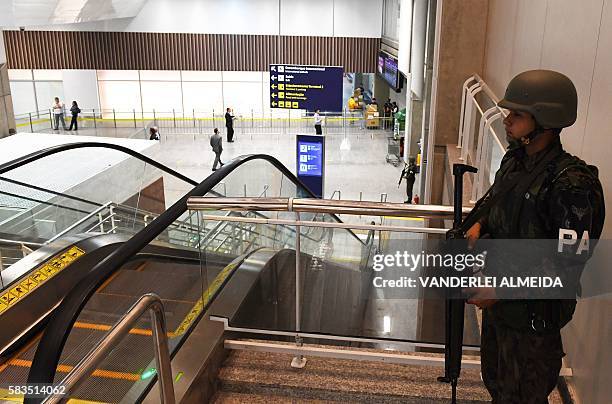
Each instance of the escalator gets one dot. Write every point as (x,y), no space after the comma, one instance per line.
(181,258)
(53,229)
(173,274)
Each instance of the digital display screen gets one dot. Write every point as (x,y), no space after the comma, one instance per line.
(387,69)
(310,159)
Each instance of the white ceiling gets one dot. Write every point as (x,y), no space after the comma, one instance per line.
(23,13)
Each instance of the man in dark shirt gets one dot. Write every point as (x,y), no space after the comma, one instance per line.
(229,124)
(216,142)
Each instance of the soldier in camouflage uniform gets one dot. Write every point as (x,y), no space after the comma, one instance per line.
(521,347)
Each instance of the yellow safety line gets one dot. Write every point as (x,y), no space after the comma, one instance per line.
(199,306)
(104,327)
(33,122)
(108,374)
(420,219)
(22,350)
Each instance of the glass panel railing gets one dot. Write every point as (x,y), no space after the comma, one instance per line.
(110,192)
(346,291)
(186,264)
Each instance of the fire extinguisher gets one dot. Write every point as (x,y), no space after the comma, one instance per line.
(416,200)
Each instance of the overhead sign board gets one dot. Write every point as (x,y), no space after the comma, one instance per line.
(306,87)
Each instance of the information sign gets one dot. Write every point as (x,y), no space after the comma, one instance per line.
(306,87)
(310,162)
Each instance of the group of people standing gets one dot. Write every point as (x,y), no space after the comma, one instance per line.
(58,108)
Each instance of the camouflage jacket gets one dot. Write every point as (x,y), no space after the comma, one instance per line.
(565,197)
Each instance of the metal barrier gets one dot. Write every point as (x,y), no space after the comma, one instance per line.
(201,122)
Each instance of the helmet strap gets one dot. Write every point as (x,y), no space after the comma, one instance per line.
(538,130)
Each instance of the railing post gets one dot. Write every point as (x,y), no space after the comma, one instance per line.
(31,126)
(252,119)
(114,118)
(298,361)
(154,118)
(93,111)
(1,269)
(51,119)
(213,117)
(194,120)
(174,117)
(134,112)
(111,211)
(162,356)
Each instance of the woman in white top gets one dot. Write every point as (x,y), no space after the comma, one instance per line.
(318,120)
(58,114)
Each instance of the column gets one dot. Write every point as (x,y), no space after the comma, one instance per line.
(7,116)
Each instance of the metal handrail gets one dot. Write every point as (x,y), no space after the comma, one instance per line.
(150,302)
(79,222)
(323,206)
(20,243)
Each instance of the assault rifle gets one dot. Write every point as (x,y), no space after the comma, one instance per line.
(455,305)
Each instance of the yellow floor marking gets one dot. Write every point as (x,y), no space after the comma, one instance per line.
(419,219)
(22,350)
(199,306)
(109,280)
(108,374)
(103,327)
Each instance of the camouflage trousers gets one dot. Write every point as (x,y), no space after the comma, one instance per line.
(518,367)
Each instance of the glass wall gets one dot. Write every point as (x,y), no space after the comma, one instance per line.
(34,90)
(136,94)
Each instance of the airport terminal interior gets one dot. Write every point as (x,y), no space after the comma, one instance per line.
(196,195)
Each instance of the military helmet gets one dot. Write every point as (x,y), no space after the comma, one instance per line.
(547,95)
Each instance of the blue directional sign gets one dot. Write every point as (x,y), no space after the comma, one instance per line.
(306,87)
(310,162)
(310,158)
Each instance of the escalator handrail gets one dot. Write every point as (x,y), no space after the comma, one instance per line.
(49,191)
(21,161)
(55,335)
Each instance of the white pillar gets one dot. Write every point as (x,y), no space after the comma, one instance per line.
(7,116)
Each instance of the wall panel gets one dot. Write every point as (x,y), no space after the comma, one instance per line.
(172,51)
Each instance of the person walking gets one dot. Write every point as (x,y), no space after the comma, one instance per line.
(75,111)
(229,125)
(58,114)
(216,142)
(540,192)
(318,120)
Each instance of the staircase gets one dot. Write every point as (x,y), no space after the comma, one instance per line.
(261,377)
